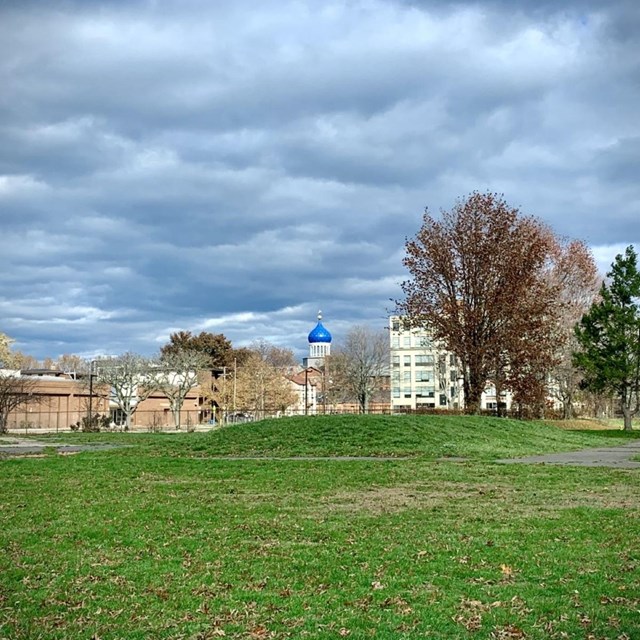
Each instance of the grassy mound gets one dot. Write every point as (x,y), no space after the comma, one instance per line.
(423,436)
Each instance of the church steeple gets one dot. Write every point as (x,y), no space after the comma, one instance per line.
(319,344)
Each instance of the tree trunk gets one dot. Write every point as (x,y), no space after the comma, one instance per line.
(176,417)
(127,424)
(628,416)
(472,399)
(498,388)
(567,405)
(362,400)
(473,387)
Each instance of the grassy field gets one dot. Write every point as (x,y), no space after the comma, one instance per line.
(164,539)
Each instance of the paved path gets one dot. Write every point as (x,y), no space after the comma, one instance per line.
(617,457)
(314,458)
(10,446)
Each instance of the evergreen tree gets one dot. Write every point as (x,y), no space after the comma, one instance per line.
(609,337)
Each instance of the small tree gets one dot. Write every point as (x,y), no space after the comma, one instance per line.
(261,389)
(280,358)
(360,364)
(178,373)
(609,337)
(15,390)
(131,378)
(8,359)
(72,364)
(576,275)
(215,346)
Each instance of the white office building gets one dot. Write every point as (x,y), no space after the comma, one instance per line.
(426,376)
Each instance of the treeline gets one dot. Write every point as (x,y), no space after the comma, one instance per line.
(523,309)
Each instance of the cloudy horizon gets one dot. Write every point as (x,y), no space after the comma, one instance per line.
(180,165)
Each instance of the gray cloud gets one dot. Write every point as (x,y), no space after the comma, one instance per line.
(233,168)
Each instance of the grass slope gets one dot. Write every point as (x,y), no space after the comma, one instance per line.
(429,436)
(348,435)
(153,541)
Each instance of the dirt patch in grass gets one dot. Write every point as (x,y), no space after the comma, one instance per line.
(624,497)
(585,424)
(385,500)
(378,500)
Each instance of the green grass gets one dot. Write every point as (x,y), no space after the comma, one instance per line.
(399,436)
(162,540)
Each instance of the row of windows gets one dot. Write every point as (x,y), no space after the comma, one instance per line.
(421,359)
(408,342)
(420,391)
(421,375)
(442,398)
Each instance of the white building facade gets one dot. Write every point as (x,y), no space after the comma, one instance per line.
(424,375)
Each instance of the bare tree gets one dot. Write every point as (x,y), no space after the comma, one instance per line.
(131,378)
(360,364)
(15,390)
(279,358)
(72,364)
(579,282)
(179,372)
(480,284)
(24,361)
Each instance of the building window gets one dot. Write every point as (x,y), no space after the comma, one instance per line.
(395,325)
(396,392)
(406,391)
(118,417)
(422,359)
(424,375)
(452,360)
(424,391)
(443,400)
(395,342)
(407,361)
(406,376)
(406,342)
(395,361)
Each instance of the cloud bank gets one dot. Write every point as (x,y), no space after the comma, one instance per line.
(187,166)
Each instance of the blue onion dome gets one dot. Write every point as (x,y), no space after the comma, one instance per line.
(320,332)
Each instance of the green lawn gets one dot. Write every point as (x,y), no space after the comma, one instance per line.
(164,540)
(382,436)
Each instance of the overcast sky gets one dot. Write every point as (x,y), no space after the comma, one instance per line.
(236,166)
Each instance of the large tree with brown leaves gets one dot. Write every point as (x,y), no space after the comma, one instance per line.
(482,281)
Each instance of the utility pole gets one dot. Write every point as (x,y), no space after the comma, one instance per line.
(224,395)
(90,417)
(235,382)
(325,366)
